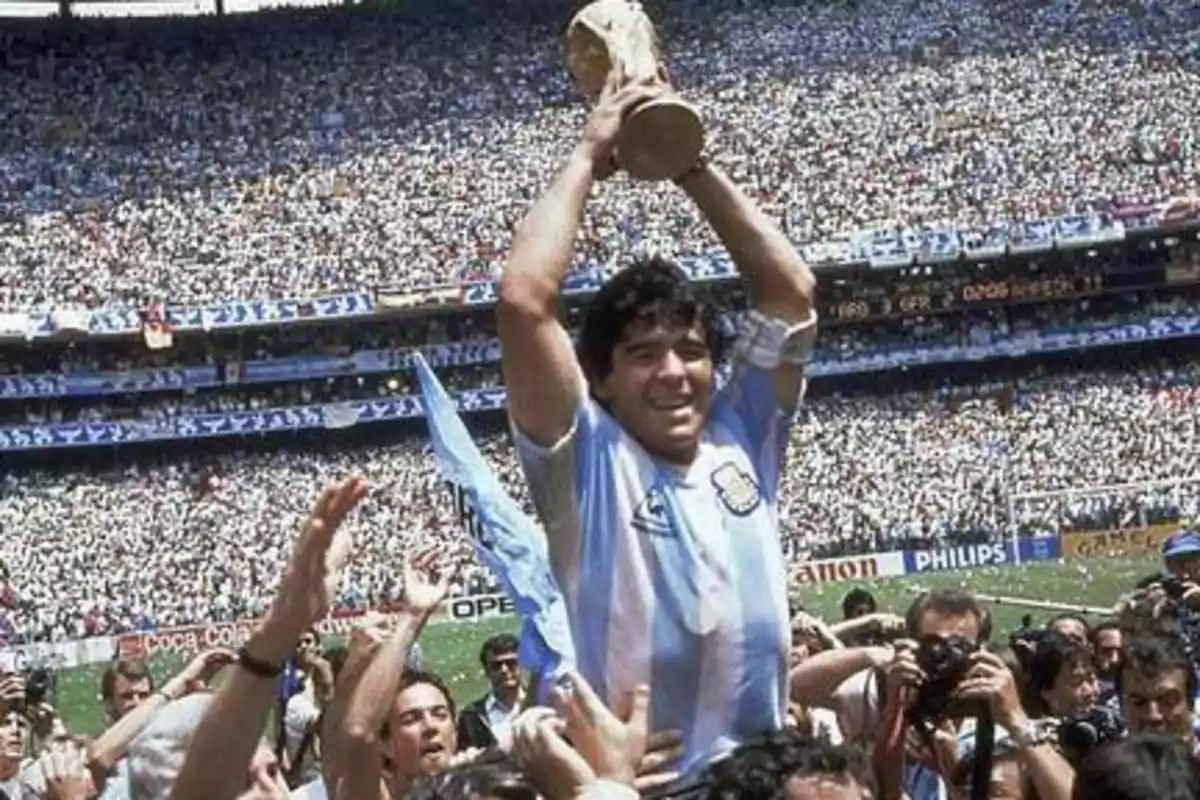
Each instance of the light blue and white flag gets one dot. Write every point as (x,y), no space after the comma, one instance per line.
(506,540)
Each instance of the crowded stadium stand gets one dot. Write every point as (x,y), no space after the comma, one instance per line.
(221,242)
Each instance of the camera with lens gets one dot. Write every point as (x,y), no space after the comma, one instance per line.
(1080,734)
(1025,640)
(945,662)
(39,686)
(1173,586)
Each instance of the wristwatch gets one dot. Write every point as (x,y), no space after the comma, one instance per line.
(1033,733)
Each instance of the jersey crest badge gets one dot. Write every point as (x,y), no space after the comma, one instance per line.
(736,489)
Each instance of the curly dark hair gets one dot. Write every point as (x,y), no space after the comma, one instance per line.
(495,776)
(652,290)
(1142,767)
(760,767)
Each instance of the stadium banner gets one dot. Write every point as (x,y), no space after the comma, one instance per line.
(850,568)
(1127,542)
(479,606)
(56,655)
(197,638)
(995,554)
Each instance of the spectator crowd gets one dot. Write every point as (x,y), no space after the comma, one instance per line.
(292,153)
(179,542)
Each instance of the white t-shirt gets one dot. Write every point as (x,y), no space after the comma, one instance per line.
(12,787)
(500,719)
(301,714)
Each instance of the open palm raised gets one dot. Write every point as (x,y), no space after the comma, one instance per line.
(426,580)
(310,580)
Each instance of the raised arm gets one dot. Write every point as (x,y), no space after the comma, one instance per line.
(370,705)
(781,285)
(225,741)
(541,373)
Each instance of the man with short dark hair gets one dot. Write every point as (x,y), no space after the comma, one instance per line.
(658,488)
(489,719)
(1157,686)
(1106,640)
(124,684)
(790,765)
(14,732)
(858,602)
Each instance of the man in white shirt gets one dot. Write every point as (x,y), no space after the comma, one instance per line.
(489,719)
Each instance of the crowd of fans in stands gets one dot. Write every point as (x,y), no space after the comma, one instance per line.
(299,152)
(184,542)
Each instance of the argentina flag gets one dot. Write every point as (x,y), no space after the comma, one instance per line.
(506,540)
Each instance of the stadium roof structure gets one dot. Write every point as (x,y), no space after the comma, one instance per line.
(42,9)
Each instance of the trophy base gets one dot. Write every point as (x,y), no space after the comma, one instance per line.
(660,140)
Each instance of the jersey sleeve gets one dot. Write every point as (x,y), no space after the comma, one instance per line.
(747,407)
(556,475)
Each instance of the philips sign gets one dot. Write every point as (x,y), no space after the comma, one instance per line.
(996,554)
(979,555)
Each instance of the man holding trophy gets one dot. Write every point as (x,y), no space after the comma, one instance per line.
(658,492)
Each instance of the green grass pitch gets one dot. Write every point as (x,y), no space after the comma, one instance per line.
(452,648)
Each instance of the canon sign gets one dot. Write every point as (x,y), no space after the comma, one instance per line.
(842,569)
(854,568)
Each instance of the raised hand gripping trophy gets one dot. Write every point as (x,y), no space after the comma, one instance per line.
(660,139)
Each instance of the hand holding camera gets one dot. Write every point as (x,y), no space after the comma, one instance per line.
(989,683)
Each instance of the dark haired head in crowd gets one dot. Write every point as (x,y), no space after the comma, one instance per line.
(496,778)
(1142,767)
(786,765)
(1157,687)
(858,602)
(1072,626)
(1106,642)
(1060,676)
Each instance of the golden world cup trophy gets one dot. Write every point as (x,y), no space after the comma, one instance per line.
(660,139)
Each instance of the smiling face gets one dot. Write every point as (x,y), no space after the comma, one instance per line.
(660,386)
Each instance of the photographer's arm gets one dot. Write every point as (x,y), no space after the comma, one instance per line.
(880,623)
(1052,777)
(815,682)
(991,681)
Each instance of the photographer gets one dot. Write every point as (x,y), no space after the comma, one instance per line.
(30,694)
(880,700)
